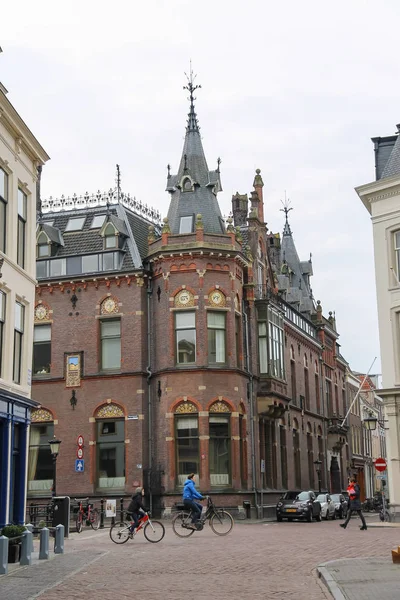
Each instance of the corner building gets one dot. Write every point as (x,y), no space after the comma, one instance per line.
(191,345)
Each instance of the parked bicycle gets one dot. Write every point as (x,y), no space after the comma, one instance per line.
(153,531)
(221,521)
(87,514)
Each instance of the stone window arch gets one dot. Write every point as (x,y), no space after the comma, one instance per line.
(110,447)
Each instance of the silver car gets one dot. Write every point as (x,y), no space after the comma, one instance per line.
(328,509)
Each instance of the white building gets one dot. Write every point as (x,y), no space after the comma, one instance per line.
(21,159)
(382,200)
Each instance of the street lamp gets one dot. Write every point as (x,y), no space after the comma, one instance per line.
(370,423)
(318,464)
(54,449)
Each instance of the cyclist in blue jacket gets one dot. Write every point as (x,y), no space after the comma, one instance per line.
(189,495)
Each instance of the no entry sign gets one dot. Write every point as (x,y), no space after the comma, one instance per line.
(380,464)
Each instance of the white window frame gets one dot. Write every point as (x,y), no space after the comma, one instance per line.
(183,224)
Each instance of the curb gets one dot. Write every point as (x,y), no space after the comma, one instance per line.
(330,583)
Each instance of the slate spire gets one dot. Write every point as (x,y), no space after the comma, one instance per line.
(194,188)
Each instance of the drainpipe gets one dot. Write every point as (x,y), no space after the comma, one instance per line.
(252,436)
(324,430)
(149,404)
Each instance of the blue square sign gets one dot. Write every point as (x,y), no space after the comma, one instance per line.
(79,465)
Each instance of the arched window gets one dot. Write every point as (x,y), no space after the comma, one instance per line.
(219,445)
(187,185)
(187,440)
(110,447)
(43,245)
(110,236)
(40,462)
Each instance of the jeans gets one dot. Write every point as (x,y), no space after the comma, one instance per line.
(195,507)
(135,518)
(350,512)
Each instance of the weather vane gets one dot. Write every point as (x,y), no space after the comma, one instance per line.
(191,87)
(286,207)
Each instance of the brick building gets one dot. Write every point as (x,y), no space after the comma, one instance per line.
(194,345)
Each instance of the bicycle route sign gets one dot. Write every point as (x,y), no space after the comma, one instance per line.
(380,464)
(79,465)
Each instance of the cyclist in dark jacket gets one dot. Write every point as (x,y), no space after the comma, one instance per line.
(136,508)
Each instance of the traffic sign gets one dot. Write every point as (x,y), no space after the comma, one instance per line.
(79,453)
(382,477)
(380,464)
(79,465)
(80,441)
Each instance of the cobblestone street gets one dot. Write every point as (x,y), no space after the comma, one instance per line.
(270,560)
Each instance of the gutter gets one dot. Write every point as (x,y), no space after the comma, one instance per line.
(149,399)
(250,398)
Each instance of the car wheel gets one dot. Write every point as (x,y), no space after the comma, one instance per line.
(318,518)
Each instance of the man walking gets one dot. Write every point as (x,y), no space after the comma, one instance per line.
(355,505)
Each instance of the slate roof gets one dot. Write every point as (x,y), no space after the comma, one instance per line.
(88,241)
(392,166)
(206,184)
(294,276)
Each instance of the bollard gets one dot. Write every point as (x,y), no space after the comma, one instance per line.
(29,527)
(3,555)
(44,544)
(26,548)
(102,513)
(59,540)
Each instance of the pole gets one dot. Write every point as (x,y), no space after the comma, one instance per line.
(358,392)
(54,475)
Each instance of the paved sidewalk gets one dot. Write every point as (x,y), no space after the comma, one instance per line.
(361,578)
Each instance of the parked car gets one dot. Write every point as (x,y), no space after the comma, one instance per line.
(341,505)
(328,509)
(298,505)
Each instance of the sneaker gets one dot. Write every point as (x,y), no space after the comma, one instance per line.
(343,525)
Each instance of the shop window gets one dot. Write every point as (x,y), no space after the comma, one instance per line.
(40,461)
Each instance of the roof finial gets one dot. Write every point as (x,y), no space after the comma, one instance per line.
(218,163)
(118,182)
(286,209)
(169,171)
(191,87)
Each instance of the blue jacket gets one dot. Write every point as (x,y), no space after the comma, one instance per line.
(189,491)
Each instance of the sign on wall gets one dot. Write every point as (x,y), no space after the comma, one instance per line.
(111,508)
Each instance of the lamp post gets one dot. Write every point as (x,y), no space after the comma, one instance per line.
(54,449)
(318,464)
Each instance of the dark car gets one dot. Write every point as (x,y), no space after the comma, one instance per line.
(298,505)
(341,505)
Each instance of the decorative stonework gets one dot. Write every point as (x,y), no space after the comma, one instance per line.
(73,368)
(183,299)
(186,407)
(41,415)
(109,306)
(216,298)
(237,304)
(42,313)
(219,407)
(109,411)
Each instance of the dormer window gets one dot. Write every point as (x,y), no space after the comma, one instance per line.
(98,221)
(110,237)
(43,245)
(186,224)
(187,185)
(75,224)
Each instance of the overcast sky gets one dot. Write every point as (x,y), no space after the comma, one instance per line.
(296,89)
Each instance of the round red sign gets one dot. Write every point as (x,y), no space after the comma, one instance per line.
(380,464)
(79,453)
(80,441)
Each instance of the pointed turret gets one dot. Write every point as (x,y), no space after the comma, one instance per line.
(194,188)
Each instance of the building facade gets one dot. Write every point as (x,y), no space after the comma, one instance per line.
(21,160)
(188,345)
(382,200)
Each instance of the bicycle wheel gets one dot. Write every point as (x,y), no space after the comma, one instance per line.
(95,519)
(180,525)
(119,533)
(221,522)
(79,522)
(385,516)
(154,531)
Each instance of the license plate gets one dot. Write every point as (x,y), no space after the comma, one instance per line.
(290,510)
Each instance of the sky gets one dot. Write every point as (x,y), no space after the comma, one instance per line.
(296,89)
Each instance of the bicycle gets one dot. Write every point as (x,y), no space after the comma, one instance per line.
(221,521)
(153,531)
(89,514)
